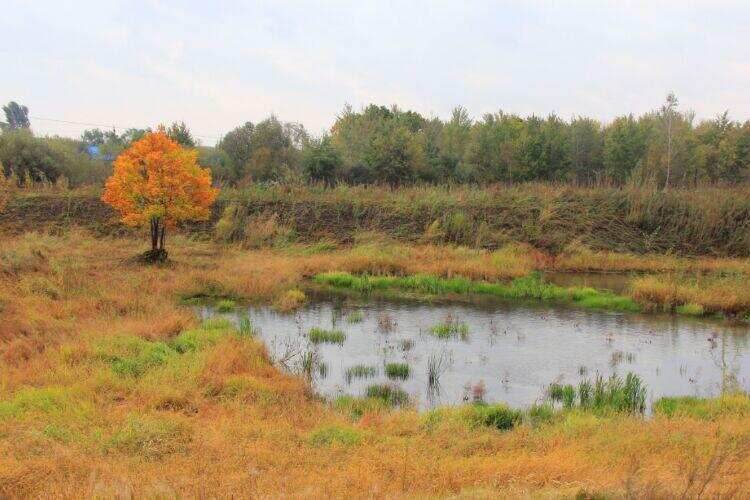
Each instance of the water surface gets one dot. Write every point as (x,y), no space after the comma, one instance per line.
(513,350)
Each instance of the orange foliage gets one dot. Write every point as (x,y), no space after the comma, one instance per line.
(158,181)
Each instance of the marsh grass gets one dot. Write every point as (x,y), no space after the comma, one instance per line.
(322,336)
(603,395)
(355,317)
(225,305)
(359,372)
(529,287)
(499,416)
(397,371)
(335,435)
(450,327)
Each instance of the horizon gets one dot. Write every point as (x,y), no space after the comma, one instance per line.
(214,69)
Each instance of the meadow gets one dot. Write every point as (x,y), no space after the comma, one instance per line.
(110,385)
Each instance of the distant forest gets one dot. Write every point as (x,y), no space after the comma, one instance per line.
(387,145)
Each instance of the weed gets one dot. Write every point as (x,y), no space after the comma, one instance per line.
(290,300)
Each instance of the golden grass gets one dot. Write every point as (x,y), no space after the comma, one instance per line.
(108,387)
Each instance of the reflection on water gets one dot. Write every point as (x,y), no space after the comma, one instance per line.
(514,350)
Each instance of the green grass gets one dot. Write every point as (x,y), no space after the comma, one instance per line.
(321,336)
(391,395)
(690,310)
(245,328)
(498,416)
(225,305)
(450,328)
(355,317)
(704,408)
(335,434)
(604,395)
(397,371)
(356,407)
(359,371)
(528,287)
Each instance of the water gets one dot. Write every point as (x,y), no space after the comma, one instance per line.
(514,350)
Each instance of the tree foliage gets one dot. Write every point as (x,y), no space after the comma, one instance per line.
(158,183)
(16,116)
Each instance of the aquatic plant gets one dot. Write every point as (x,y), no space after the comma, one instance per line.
(437,364)
(359,371)
(450,327)
(225,305)
(355,317)
(386,323)
(245,327)
(397,371)
(322,336)
(611,394)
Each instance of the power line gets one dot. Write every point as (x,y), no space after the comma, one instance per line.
(122,127)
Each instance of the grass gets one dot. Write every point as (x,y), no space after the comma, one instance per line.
(355,317)
(498,416)
(321,336)
(603,395)
(391,395)
(199,409)
(359,372)
(397,371)
(225,305)
(450,327)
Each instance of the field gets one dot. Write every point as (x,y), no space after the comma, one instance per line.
(111,386)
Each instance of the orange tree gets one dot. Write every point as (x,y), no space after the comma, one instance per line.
(158,183)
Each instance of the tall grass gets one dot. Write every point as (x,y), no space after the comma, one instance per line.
(322,336)
(603,395)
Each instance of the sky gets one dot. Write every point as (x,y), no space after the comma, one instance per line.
(217,64)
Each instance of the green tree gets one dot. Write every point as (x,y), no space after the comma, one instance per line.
(180,133)
(16,116)
(321,162)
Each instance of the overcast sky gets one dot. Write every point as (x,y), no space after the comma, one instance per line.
(218,64)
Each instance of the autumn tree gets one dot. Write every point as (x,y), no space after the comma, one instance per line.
(158,183)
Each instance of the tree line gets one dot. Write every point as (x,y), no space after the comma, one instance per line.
(387,145)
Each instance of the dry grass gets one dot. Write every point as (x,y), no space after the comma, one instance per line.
(109,387)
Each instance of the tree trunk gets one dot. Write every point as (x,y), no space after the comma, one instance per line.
(154,233)
(161,236)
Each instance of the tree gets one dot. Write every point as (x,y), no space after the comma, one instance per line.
(30,158)
(6,190)
(158,183)
(180,133)
(668,112)
(320,161)
(237,144)
(16,115)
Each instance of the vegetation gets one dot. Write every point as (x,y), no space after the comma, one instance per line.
(612,394)
(158,183)
(397,371)
(106,388)
(321,336)
(391,395)
(359,371)
(450,327)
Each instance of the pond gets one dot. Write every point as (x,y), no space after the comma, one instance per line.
(509,351)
